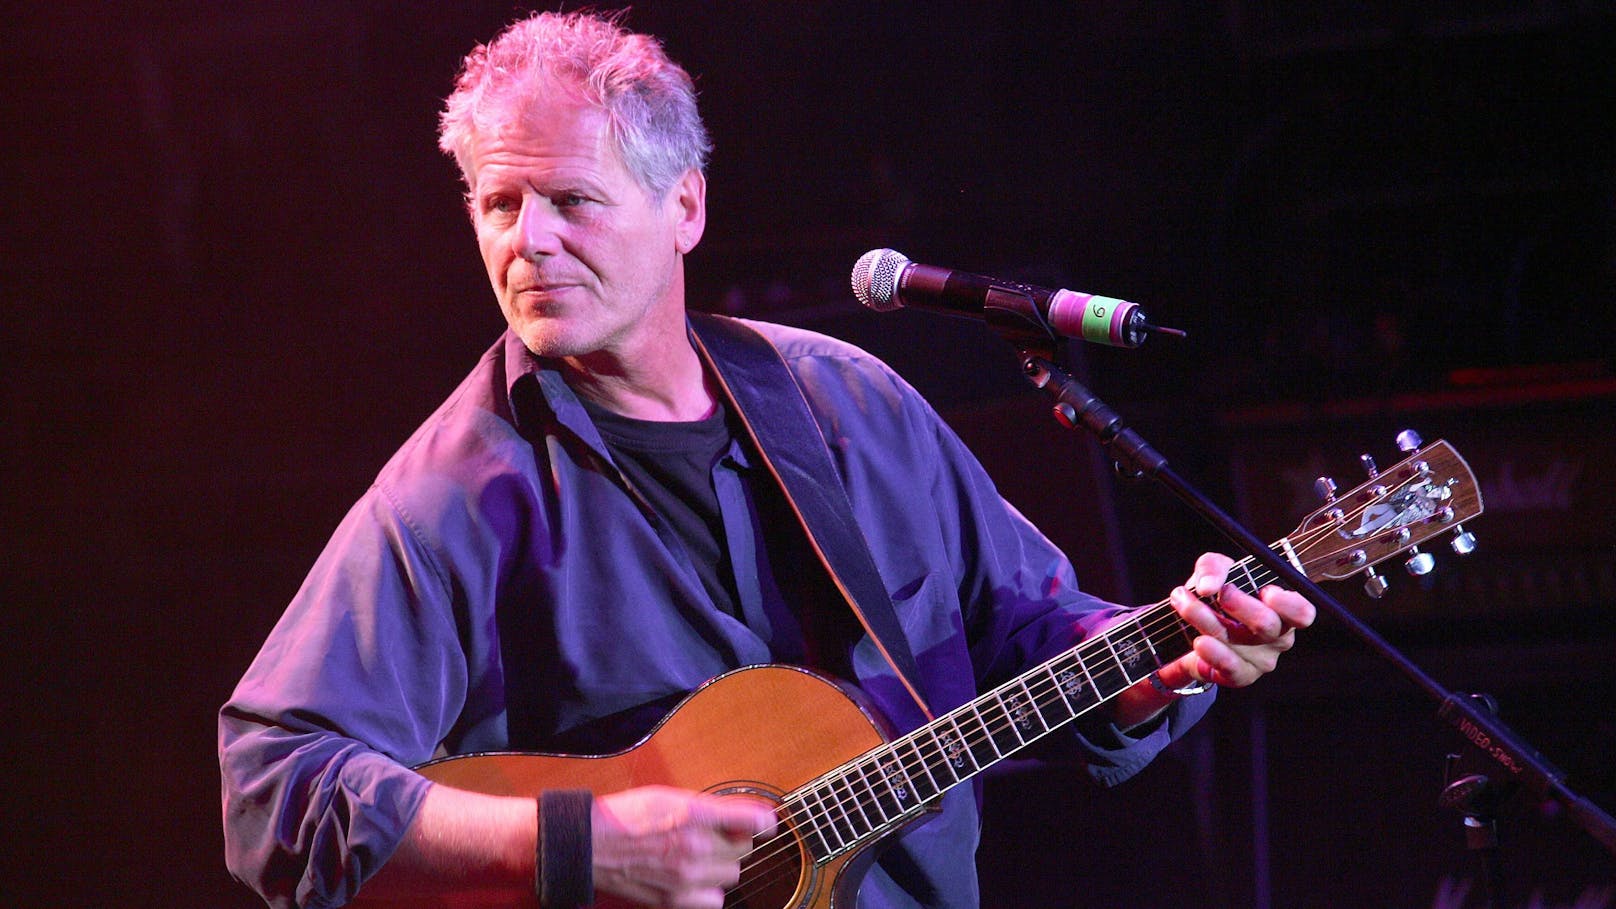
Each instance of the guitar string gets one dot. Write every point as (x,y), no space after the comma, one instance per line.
(783,850)
(788,848)
(870,799)
(1044,693)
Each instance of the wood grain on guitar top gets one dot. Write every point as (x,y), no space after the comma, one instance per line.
(756,732)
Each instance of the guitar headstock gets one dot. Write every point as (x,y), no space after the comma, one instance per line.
(1428,493)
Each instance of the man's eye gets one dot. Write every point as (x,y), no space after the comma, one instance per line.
(503,204)
(570,200)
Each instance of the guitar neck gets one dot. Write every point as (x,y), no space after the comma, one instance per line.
(887,786)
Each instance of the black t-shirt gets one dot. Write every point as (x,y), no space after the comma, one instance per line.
(670,465)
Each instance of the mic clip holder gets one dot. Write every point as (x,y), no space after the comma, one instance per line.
(1013,312)
(1023,326)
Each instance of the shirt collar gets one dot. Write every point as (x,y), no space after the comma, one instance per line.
(538,394)
(535,388)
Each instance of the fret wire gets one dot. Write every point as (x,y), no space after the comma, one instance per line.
(841,843)
(1115,658)
(1175,624)
(809,820)
(1161,620)
(1057,701)
(841,805)
(1009,720)
(1127,676)
(942,751)
(1094,688)
(915,747)
(965,744)
(874,793)
(1187,630)
(1049,702)
(908,781)
(965,741)
(1245,566)
(1060,692)
(1004,701)
(858,805)
(787,810)
(916,744)
(952,742)
(987,733)
(1149,644)
(1032,703)
(849,823)
(1088,686)
(1109,679)
(956,760)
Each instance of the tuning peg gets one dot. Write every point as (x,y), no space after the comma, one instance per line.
(1419,563)
(1464,542)
(1325,487)
(1369,467)
(1409,441)
(1375,585)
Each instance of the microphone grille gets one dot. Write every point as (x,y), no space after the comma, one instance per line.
(875,278)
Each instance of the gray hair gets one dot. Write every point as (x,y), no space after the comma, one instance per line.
(649,100)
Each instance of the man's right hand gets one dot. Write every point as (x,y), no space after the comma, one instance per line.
(667,847)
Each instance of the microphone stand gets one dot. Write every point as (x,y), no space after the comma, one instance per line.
(1513,761)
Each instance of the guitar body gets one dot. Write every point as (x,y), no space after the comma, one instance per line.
(758,732)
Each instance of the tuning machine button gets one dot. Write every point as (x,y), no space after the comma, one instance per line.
(1375,585)
(1368,462)
(1409,441)
(1464,542)
(1325,487)
(1419,563)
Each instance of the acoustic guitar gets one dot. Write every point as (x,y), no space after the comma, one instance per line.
(840,784)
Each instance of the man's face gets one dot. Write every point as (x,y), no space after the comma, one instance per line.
(582,259)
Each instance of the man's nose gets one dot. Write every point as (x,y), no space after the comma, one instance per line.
(538,229)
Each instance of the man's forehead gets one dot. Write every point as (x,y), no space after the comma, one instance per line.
(548,135)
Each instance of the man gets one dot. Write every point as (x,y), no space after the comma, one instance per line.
(587,530)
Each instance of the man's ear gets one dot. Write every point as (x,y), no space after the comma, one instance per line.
(688,198)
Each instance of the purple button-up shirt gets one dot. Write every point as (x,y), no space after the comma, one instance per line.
(497,588)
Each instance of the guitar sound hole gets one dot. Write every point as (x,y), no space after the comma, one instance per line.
(774,878)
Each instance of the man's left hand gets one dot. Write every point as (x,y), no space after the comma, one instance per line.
(1242,638)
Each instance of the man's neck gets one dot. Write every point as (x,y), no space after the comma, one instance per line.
(664,386)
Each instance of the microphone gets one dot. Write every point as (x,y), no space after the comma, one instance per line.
(884,280)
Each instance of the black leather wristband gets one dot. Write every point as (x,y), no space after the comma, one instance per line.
(565,877)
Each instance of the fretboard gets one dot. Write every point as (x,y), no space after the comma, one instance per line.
(886,786)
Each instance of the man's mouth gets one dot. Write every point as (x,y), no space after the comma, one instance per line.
(543,292)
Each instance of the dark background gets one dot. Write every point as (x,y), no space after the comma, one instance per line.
(237,274)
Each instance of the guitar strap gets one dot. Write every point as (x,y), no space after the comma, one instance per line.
(771,405)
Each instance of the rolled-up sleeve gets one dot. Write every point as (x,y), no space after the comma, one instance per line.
(362,677)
